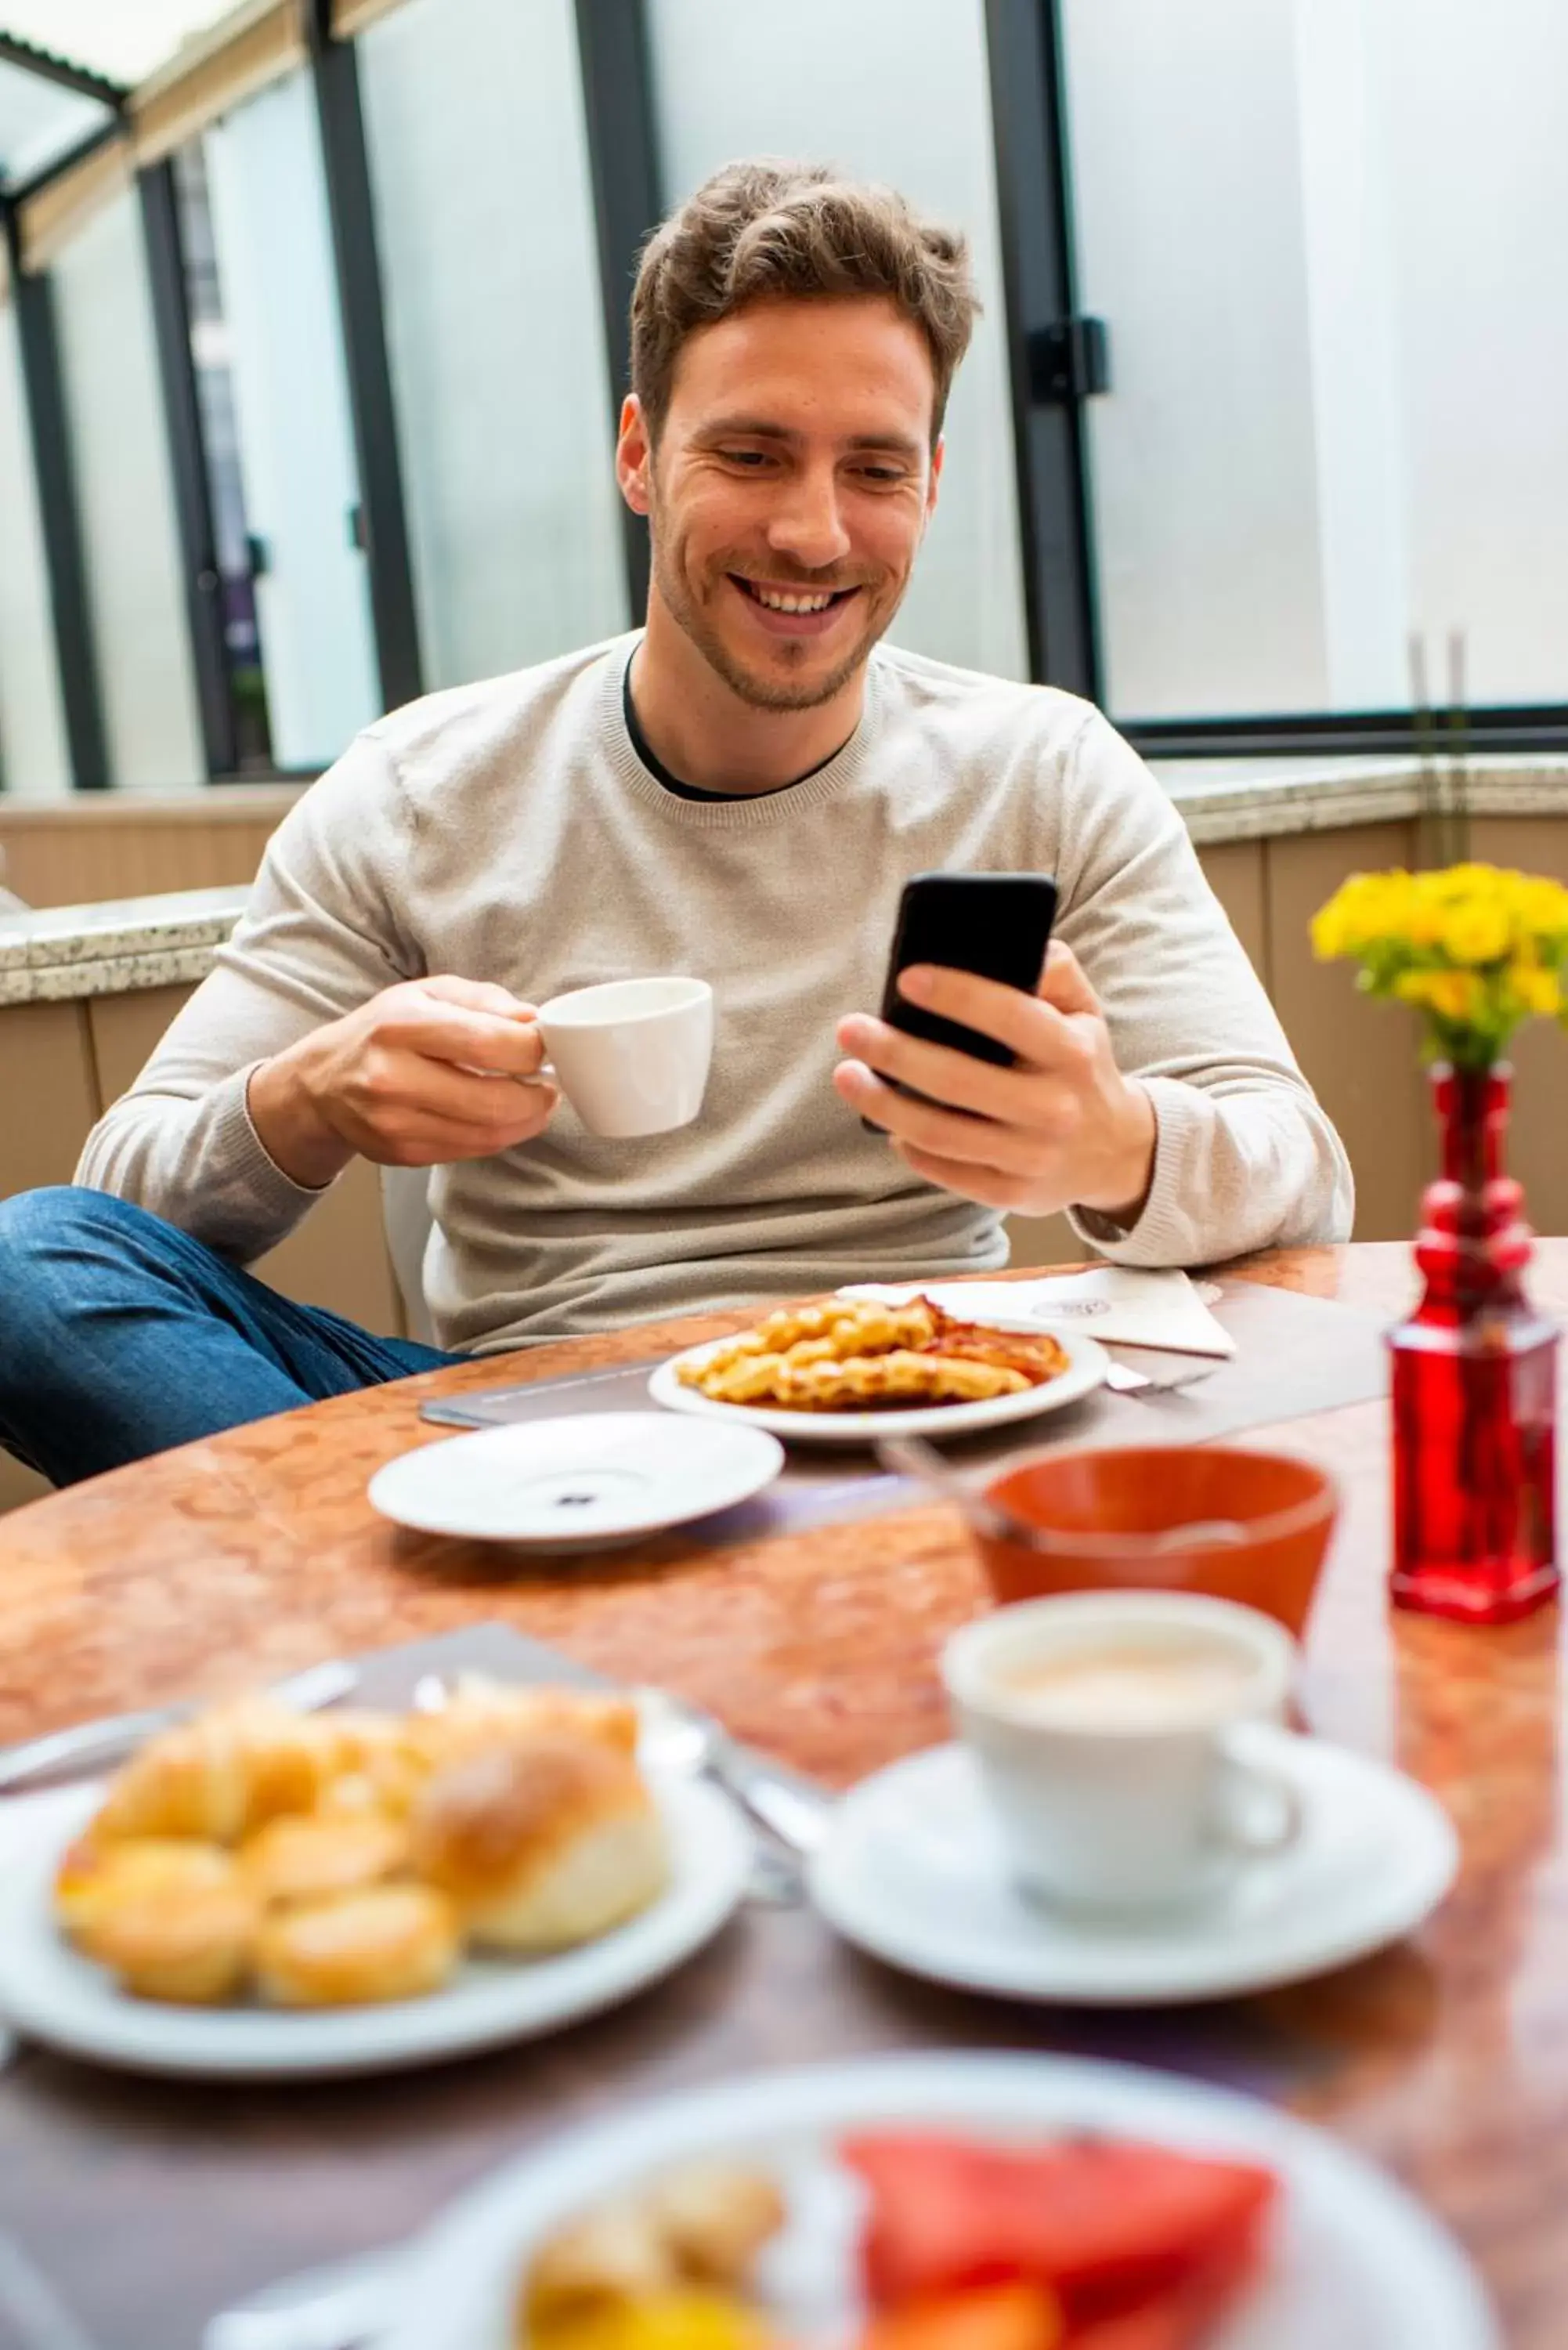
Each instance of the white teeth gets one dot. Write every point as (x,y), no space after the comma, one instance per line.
(777,602)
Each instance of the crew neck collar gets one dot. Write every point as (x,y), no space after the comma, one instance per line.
(743,813)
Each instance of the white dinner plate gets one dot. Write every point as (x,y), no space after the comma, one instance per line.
(49,1992)
(914,1871)
(1087,1369)
(584,1482)
(1356,2264)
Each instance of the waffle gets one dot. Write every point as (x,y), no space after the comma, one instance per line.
(860,1355)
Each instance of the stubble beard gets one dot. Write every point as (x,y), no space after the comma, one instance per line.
(759,692)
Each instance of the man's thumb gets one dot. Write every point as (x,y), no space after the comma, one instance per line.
(1062,982)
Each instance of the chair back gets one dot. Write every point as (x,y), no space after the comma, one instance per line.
(406,1214)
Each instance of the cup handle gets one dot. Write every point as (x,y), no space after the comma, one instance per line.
(1239,1827)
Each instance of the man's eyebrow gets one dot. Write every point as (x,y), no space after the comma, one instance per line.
(761,428)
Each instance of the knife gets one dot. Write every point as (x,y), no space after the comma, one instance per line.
(87,1745)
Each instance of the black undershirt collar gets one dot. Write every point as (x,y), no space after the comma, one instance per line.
(661,775)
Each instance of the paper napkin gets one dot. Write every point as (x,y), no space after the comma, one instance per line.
(1118,1303)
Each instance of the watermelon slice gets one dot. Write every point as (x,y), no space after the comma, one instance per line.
(1108,2227)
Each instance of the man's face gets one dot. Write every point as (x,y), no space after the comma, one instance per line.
(789,491)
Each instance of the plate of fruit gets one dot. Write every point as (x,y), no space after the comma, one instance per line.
(942,2201)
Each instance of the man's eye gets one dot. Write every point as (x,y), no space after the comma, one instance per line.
(883,476)
(751,459)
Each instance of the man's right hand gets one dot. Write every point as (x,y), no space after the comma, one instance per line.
(428,1072)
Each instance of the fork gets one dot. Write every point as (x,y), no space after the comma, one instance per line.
(1123,1379)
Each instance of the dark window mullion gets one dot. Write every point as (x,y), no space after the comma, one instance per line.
(383,513)
(628,199)
(1365,733)
(1034,196)
(188,462)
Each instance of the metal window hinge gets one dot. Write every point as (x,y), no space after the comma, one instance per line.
(1069,359)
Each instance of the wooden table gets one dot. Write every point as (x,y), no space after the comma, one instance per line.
(255,1551)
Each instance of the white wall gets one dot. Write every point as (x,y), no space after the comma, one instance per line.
(126,500)
(34,757)
(893,91)
(505,418)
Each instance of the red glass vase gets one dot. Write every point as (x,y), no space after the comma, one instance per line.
(1474,1385)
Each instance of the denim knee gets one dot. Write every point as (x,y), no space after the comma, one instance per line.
(39,1231)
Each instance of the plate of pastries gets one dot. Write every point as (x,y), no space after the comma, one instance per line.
(851,1369)
(261,1892)
(942,2201)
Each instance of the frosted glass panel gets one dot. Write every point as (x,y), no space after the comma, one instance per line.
(1331,241)
(1469,130)
(893,91)
(505,418)
(33,758)
(126,501)
(296,443)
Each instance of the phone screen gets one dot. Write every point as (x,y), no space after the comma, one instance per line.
(995,924)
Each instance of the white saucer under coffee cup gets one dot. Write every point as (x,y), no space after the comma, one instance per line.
(1105,1727)
(631,1056)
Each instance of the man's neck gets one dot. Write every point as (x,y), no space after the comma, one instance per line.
(704,731)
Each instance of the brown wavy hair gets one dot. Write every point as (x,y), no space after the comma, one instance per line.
(800,233)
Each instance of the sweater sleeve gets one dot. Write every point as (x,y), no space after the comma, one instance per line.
(318,936)
(1245,1157)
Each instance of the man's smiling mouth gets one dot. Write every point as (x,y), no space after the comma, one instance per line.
(791,599)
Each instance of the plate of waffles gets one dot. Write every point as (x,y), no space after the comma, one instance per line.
(851,1370)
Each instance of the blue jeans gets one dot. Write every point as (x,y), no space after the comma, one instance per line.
(120,1336)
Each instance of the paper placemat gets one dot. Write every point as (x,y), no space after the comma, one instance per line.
(1295,1355)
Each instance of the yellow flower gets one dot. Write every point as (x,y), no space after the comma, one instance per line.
(1537,990)
(1453,995)
(1541,907)
(1476,931)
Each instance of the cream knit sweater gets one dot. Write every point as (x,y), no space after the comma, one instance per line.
(508,831)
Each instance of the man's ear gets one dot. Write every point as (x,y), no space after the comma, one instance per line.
(634,456)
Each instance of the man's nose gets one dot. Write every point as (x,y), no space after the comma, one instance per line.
(807,525)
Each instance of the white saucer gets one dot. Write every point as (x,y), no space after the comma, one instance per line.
(49,1992)
(913,1871)
(1087,1366)
(584,1482)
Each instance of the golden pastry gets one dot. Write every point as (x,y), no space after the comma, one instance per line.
(481,1714)
(543,1842)
(307,1859)
(190,1944)
(189,1782)
(288,1758)
(93,1879)
(384,1942)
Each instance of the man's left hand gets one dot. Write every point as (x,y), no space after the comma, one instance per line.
(1061,1128)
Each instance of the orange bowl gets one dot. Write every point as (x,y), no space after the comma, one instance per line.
(1091,1516)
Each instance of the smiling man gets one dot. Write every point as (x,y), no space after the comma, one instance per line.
(738,791)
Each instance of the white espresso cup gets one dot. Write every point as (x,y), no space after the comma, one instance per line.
(632,1056)
(1108,1727)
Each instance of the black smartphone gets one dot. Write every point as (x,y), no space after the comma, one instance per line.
(995,924)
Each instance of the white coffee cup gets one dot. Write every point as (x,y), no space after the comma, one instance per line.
(1109,1732)
(632,1056)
